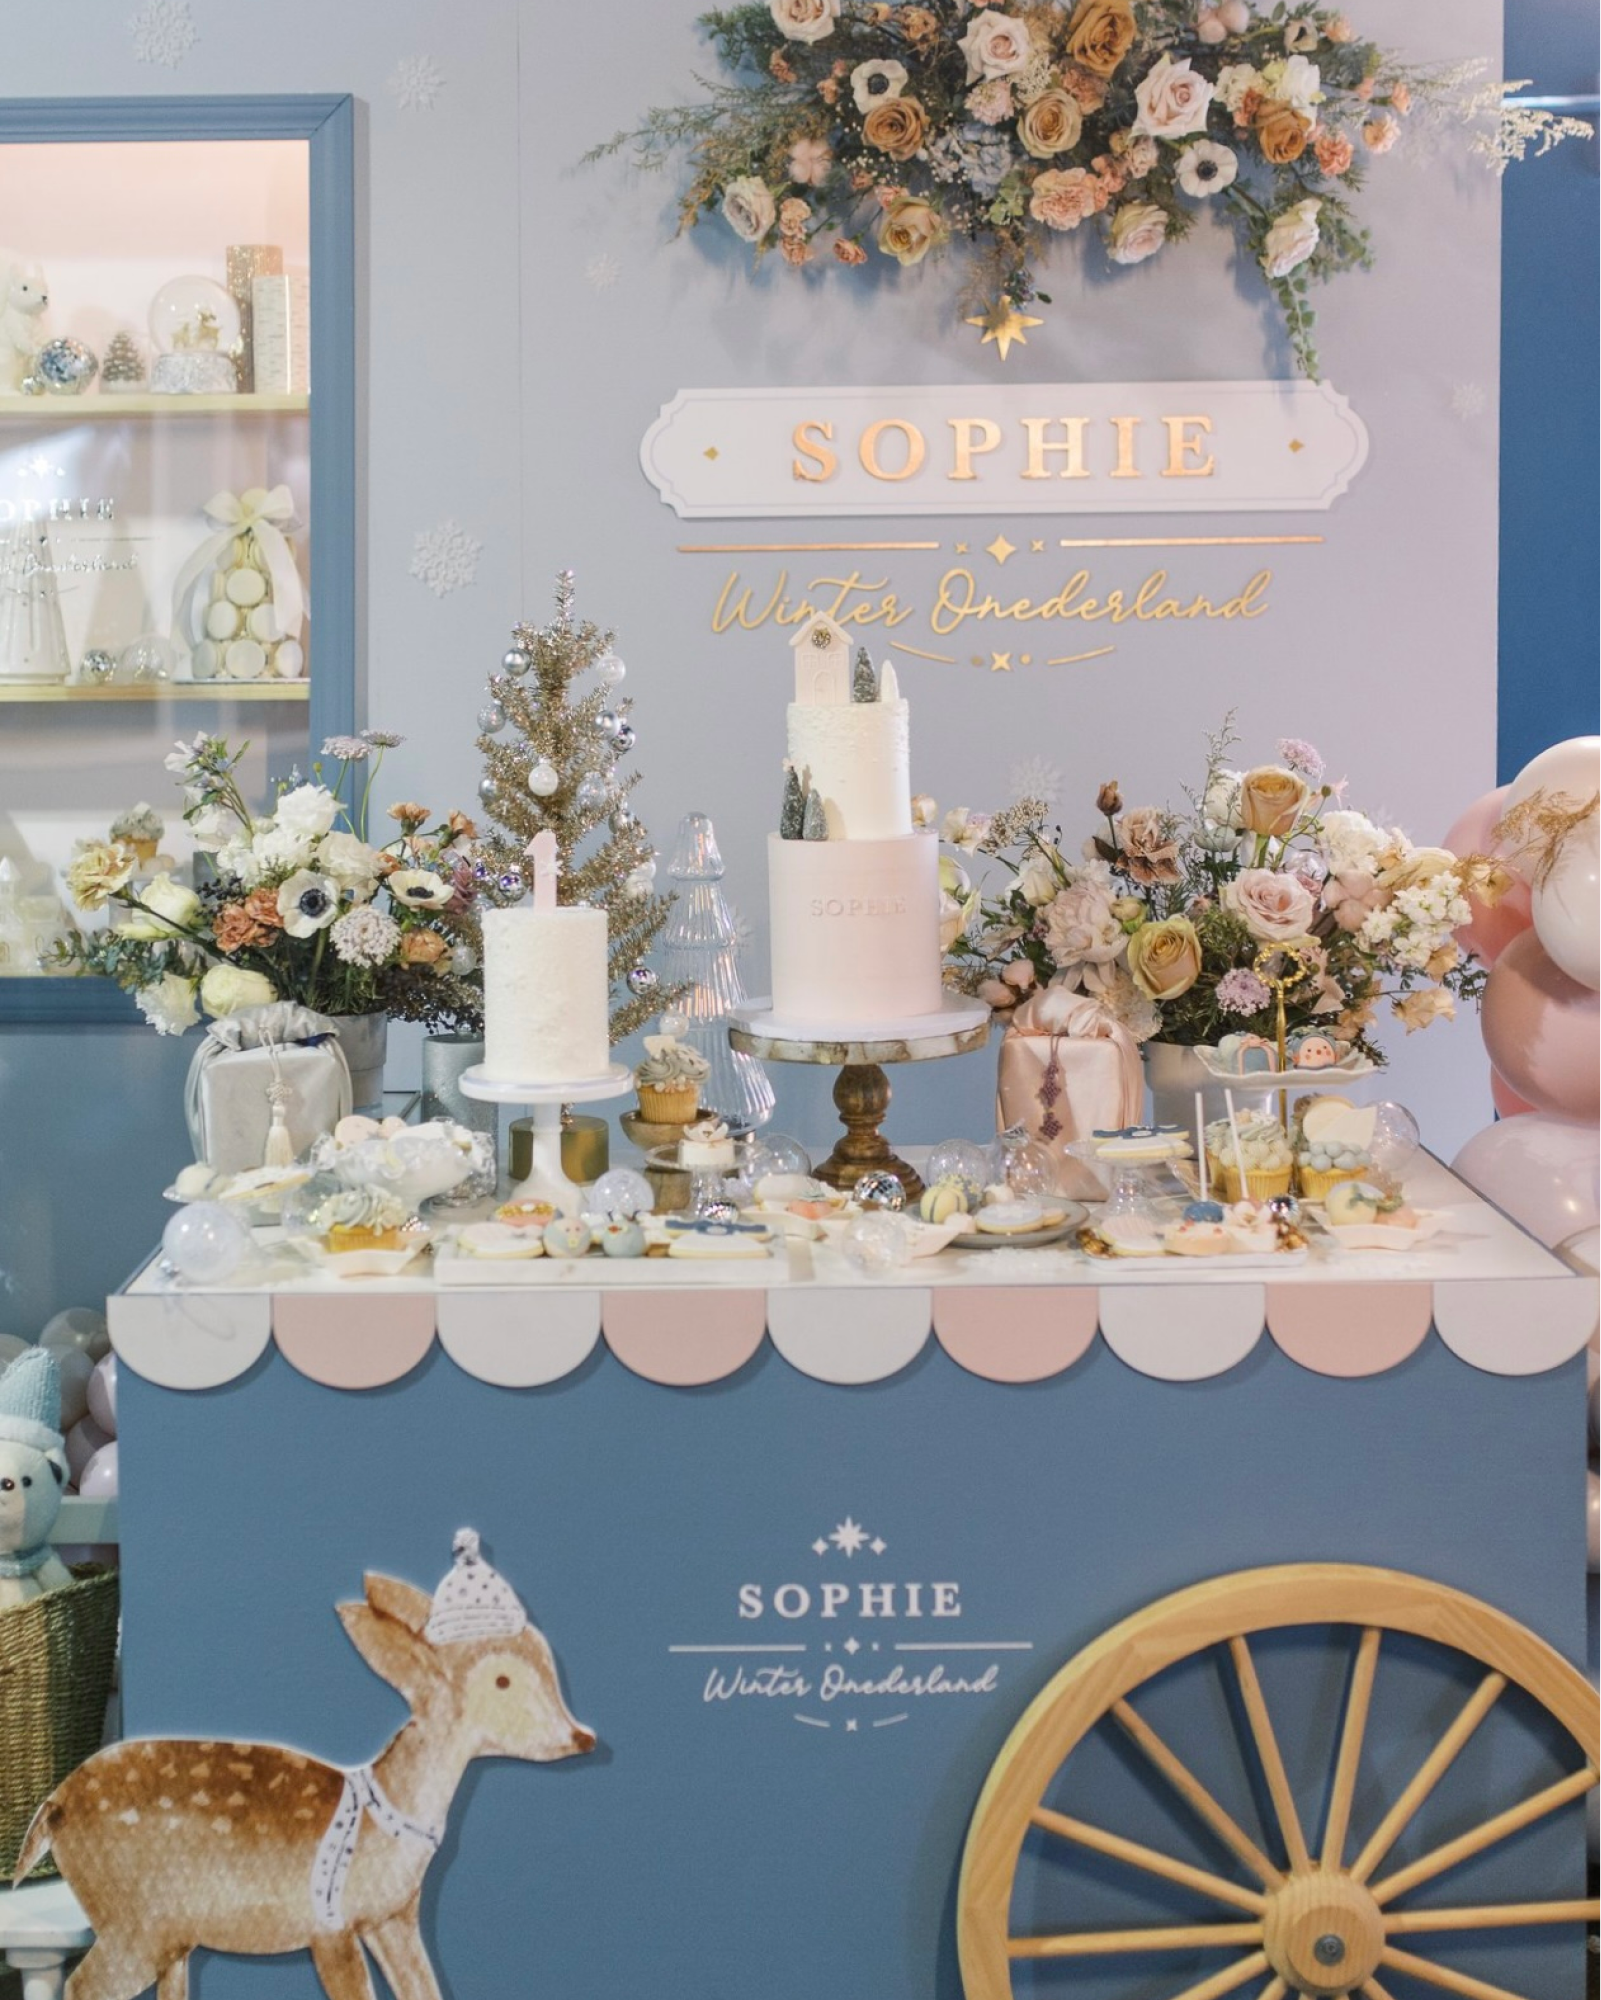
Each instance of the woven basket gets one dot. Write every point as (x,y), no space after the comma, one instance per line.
(57,1653)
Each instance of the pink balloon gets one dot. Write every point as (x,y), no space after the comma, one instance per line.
(1542,1171)
(103,1395)
(1489,932)
(1592,1515)
(83,1441)
(1506,1099)
(1543,1031)
(99,1481)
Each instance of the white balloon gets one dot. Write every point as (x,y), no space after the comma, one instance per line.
(103,1394)
(78,1326)
(1567,906)
(99,1481)
(10,1348)
(1573,767)
(1542,1171)
(75,1368)
(83,1441)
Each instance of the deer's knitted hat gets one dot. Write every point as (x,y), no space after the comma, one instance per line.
(30,1401)
(474,1601)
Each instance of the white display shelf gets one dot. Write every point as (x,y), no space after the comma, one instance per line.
(107,408)
(219,690)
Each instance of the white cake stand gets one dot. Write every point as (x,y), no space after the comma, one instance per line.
(546,1181)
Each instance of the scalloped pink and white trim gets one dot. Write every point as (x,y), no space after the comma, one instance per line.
(1174,1332)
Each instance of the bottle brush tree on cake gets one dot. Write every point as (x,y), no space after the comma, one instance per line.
(551,752)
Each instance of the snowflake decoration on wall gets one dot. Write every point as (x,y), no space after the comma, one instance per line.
(415,82)
(1468,400)
(445,557)
(163,31)
(1035,778)
(602,272)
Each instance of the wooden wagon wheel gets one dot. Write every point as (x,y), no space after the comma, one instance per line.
(1321,1923)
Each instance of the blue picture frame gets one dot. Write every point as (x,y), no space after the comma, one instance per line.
(328,125)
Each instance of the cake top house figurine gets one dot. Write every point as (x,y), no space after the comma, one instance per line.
(823,669)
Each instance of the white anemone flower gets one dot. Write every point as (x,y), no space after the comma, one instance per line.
(1206,168)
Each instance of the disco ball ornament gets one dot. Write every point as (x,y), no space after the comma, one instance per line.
(481,871)
(641,981)
(97,668)
(610,669)
(593,791)
(1283,1208)
(517,662)
(492,718)
(623,820)
(543,779)
(488,791)
(881,1190)
(625,738)
(65,367)
(607,724)
(509,884)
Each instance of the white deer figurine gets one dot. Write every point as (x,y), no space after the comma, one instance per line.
(251,1848)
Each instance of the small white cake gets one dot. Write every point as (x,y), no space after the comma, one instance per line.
(545,995)
(706,1147)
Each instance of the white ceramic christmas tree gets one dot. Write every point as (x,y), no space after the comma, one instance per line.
(33,641)
(699,952)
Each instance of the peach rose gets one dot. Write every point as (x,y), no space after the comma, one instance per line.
(1100,34)
(1150,854)
(897,126)
(422,948)
(1271,799)
(1064,196)
(1165,959)
(909,231)
(1051,125)
(848,252)
(1173,100)
(1273,907)
(1334,153)
(1281,131)
(1380,134)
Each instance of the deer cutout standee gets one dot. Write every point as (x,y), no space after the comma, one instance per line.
(252,1848)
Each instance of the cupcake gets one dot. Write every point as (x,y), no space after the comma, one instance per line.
(1264,1150)
(669,1081)
(1333,1145)
(361,1219)
(140,828)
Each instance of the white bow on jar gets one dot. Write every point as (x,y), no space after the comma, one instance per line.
(261,517)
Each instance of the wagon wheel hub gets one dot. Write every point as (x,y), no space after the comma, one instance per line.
(1323,1933)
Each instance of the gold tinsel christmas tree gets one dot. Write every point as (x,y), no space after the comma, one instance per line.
(551,756)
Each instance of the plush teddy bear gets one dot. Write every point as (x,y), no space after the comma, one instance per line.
(33,1471)
(24,297)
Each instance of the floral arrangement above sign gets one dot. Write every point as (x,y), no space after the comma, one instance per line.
(855,126)
(294,904)
(1185,925)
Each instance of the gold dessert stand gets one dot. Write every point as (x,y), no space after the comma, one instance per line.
(862,1090)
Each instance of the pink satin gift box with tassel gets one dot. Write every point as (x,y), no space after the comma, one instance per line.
(1069,1069)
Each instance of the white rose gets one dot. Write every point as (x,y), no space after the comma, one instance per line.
(749,208)
(1173,101)
(307,812)
(1235,81)
(168,1005)
(1139,229)
(805,20)
(1295,82)
(995,45)
(1272,906)
(1037,881)
(236,860)
(280,848)
(228,988)
(169,907)
(1350,843)
(1291,240)
(351,862)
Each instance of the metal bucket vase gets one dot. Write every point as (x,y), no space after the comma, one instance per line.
(1173,1074)
(365,1041)
(445,1059)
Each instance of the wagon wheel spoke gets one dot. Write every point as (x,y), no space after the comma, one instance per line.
(1226,1981)
(1374,1991)
(1493,1916)
(1513,1820)
(1092,1944)
(1276,1991)
(1149,1859)
(1350,1757)
(1428,1775)
(1267,1748)
(1448,1981)
(1198,1798)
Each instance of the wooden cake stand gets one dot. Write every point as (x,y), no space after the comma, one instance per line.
(861,1090)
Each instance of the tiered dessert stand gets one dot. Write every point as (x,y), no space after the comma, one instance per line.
(861,1090)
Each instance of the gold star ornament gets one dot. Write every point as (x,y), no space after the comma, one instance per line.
(1003,324)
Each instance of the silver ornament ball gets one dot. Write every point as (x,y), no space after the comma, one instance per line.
(593,791)
(491,718)
(544,779)
(625,738)
(97,667)
(623,820)
(607,724)
(517,663)
(882,1190)
(65,367)
(509,884)
(641,981)
(488,791)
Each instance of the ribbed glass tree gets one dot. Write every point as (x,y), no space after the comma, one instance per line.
(700,957)
(550,756)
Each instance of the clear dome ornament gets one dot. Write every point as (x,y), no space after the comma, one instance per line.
(1396,1140)
(610,669)
(877,1244)
(204,1243)
(962,1162)
(699,950)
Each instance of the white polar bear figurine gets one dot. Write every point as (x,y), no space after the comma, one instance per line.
(33,1471)
(24,299)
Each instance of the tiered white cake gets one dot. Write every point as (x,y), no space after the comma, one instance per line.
(545,995)
(855,914)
